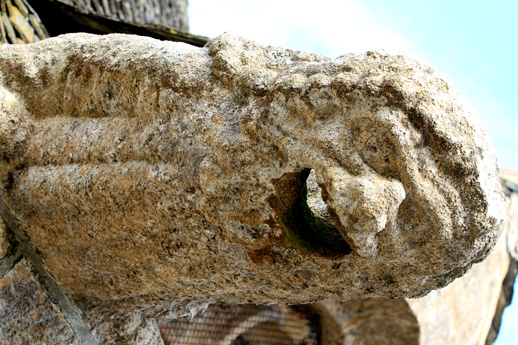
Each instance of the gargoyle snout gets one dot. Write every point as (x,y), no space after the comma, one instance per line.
(362,206)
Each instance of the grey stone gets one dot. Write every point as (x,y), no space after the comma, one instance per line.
(505,297)
(464,312)
(241,324)
(27,314)
(151,175)
(5,246)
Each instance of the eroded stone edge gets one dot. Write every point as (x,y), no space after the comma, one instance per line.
(8,263)
(25,248)
(11,256)
(508,284)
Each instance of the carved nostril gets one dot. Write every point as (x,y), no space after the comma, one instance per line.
(305,228)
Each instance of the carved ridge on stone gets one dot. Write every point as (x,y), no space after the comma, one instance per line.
(27,254)
(148,170)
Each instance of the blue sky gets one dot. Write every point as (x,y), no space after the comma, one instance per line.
(474,42)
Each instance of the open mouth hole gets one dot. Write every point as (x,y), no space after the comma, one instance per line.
(304,216)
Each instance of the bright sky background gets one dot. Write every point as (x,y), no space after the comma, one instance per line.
(474,42)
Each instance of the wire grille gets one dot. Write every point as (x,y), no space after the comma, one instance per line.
(244,325)
(19,23)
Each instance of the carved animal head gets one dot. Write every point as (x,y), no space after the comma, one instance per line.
(405,167)
(200,156)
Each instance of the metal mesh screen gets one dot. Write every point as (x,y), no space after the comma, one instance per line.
(244,325)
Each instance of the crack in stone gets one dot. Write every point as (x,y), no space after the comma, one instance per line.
(8,263)
(25,248)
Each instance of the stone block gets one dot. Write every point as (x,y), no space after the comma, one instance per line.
(5,246)
(27,314)
(148,173)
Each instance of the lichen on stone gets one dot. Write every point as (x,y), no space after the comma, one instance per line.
(150,172)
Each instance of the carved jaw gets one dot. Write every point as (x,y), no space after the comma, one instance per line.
(361,206)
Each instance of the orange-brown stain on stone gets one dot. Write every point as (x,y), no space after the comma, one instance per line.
(261,256)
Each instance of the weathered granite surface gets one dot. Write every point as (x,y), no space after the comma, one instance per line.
(156,177)
(5,246)
(374,321)
(244,324)
(27,314)
(463,312)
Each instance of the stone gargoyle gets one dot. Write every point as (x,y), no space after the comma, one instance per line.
(151,171)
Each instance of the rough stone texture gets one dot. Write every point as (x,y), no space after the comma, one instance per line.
(27,314)
(375,321)
(5,246)
(462,313)
(156,176)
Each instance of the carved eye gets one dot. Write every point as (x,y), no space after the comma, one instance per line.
(375,145)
